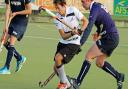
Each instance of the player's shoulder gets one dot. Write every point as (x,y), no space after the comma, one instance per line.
(73,9)
(97,5)
(58,15)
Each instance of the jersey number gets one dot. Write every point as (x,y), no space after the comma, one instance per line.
(103,7)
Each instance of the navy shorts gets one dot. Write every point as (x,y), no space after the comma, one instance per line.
(18,27)
(68,51)
(108,43)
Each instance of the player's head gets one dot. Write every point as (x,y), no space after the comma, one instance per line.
(86,3)
(60,6)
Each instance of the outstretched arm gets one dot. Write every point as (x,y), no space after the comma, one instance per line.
(92,18)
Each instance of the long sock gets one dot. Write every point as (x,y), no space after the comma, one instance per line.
(84,70)
(16,54)
(9,56)
(109,69)
(62,75)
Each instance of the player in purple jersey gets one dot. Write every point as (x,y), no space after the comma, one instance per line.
(106,40)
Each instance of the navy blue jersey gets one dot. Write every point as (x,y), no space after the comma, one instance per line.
(102,20)
(17,5)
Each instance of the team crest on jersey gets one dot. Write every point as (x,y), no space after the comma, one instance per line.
(16,3)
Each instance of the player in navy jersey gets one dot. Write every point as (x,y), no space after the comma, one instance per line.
(106,40)
(19,10)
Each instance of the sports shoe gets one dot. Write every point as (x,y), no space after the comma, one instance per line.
(73,82)
(4,70)
(120,81)
(63,86)
(20,63)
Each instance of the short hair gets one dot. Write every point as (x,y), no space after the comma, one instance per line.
(62,2)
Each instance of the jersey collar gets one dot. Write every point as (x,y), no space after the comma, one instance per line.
(91,4)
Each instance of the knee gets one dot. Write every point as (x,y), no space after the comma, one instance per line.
(99,63)
(88,58)
(11,48)
(58,59)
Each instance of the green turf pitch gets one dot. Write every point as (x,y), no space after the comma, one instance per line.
(39,46)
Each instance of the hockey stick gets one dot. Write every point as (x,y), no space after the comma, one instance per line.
(40,8)
(55,17)
(44,83)
(5,34)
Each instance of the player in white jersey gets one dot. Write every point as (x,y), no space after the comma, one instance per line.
(69,43)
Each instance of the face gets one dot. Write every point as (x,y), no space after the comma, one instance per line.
(86,4)
(60,9)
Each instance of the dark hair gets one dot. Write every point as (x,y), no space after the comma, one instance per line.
(62,2)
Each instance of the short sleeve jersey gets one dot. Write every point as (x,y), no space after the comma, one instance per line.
(17,5)
(72,18)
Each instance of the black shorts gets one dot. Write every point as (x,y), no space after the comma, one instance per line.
(108,43)
(18,27)
(68,51)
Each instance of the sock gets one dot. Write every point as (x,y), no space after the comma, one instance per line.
(109,69)
(16,54)
(84,70)
(62,75)
(9,56)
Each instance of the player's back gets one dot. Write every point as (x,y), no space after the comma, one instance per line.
(103,19)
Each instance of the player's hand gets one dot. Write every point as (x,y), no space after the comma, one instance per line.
(95,36)
(14,14)
(75,31)
(5,30)
(80,31)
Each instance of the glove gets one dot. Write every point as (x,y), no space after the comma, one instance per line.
(80,31)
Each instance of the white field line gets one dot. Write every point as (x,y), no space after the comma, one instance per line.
(49,38)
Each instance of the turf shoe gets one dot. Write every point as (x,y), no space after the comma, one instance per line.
(73,82)
(64,86)
(5,70)
(120,81)
(20,63)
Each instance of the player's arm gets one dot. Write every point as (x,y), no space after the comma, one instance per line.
(92,18)
(27,11)
(7,14)
(81,18)
(66,35)
(84,23)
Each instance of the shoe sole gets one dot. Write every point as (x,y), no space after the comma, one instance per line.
(6,73)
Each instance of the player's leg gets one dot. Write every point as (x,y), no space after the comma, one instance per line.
(19,31)
(101,63)
(16,54)
(91,54)
(11,48)
(60,71)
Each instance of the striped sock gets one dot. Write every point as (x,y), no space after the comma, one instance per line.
(109,69)
(84,70)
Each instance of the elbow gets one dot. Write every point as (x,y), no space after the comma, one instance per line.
(64,38)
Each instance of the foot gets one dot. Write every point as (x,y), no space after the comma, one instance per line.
(120,81)
(4,70)
(63,86)
(73,82)
(20,63)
